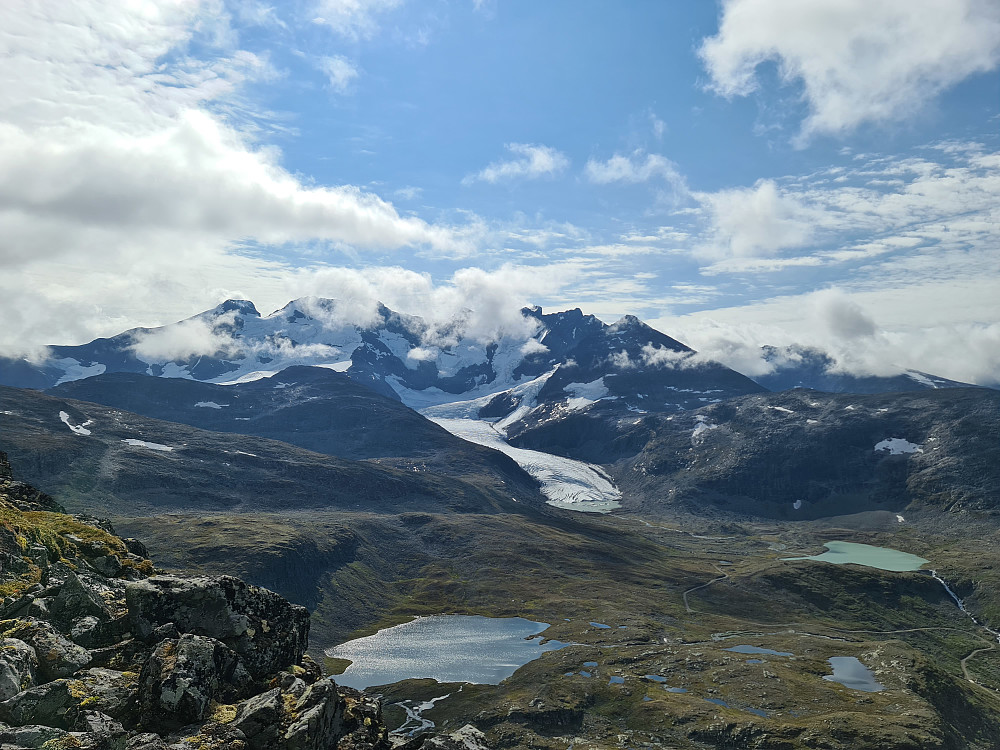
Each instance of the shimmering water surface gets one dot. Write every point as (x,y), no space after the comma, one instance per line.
(882,558)
(851,673)
(447,648)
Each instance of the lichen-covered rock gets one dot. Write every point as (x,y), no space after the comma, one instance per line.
(466,738)
(213,736)
(62,703)
(18,665)
(209,663)
(31,736)
(260,718)
(182,678)
(99,731)
(266,630)
(57,655)
(76,599)
(145,741)
(318,714)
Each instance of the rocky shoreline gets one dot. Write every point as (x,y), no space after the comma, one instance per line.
(98,651)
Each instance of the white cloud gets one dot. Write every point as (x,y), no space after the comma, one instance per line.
(126,198)
(354,19)
(339,71)
(189,338)
(923,326)
(533,161)
(473,302)
(636,167)
(945,204)
(842,316)
(752,222)
(533,346)
(857,61)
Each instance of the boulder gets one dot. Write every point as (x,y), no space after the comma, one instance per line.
(183,676)
(64,703)
(57,655)
(76,599)
(18,665)
(318,716)
(29,736)
(260,719)
(268,632)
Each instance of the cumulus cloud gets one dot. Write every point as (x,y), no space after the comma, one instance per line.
(533,346)
(126,197)
(842,316)
(531,161)
(856,61)
(339,71)
(473,302)
(189,338)
(922,327)
(751,222)
(880,210)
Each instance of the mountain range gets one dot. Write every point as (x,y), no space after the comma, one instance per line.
(566,357)
(382,471)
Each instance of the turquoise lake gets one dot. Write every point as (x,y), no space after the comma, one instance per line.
(883,558)
(447,648)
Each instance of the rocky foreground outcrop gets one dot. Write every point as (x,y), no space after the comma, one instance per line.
(97,651)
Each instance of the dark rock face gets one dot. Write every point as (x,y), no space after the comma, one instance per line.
(96,653)
(804,454)
(183,676)
(262,627)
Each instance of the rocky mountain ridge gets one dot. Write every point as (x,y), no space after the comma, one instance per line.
(550,358)
(809,367)
(100,652)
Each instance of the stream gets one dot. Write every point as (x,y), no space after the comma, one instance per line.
(961,605)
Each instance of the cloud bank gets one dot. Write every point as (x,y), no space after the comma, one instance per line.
(856,61)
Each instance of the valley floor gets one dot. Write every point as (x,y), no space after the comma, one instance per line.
(678,595)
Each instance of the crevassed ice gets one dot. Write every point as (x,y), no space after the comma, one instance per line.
(566,483)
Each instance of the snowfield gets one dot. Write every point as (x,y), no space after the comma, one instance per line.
(898,446)
(566,483)
(77,429)
(143,444)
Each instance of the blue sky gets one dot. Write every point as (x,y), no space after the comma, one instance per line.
(738,173)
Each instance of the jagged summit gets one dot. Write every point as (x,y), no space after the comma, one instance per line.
(557,356)
(242,306)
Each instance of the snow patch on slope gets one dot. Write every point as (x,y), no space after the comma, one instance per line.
(566,483)
(898,446)
(74,370)
(143,444)
(703,426)
(583,395)
(76,429)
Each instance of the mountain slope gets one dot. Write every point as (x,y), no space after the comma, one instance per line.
(310,407)
(127,464)
(804,454)
(807,367)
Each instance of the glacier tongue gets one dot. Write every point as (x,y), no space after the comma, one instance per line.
(566,483)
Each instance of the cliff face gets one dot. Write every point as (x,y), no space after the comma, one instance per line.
(96,651)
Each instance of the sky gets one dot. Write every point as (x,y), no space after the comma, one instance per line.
(735,173)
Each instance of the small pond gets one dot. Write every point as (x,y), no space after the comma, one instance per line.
(852,674)
(447,648)
(757,650)
(882,558)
